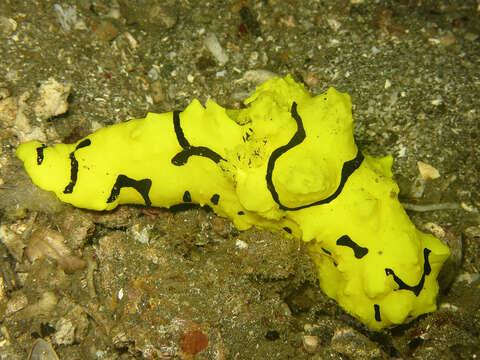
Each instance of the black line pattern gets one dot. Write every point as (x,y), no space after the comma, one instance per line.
(187,197)
(40,154)
(142,186)
(348,167)
(74,166)
(215,198)
(376,308)
(417,288)
(358,251)
(188,150)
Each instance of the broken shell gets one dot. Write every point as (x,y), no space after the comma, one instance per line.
(42,350)
(52,99)
(49,243)
(427,171)
(310,343)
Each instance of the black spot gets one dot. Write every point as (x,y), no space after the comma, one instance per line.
(357,249)
(214,199)
(417,288)
(83,144)
(40,154)
(348,167)
(187,197)
(241,213)
(142,186)
(287,229)
(376,307)
(272,335)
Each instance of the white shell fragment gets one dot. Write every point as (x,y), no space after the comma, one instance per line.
(212,44)
(42,350)
(427,171)
(52,99)
(310,343)
(49,243)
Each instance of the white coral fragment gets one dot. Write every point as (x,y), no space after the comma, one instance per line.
(52,99)
(212,44)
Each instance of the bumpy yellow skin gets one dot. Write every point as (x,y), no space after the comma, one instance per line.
(288,161)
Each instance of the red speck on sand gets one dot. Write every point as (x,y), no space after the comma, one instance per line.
(193,342)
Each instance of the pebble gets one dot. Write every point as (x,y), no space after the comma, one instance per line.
(42,349)
(17,302)
(310,343)
(7,26)
(161,15)
(106,31)
(65,332)
(447,39)
(68,18)
(48,243)
(12,241)
(212,44)
(258,76)
(435,229)
(157,92)
(427,171)
(52,100)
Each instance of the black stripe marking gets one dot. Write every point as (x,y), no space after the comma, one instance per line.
(376,308)
(142,186)
(326,251)
(347,169)
(188,150)
(358,251)
(40,154)
(287,229)
(417,288)
(214,199)
(187,197)
(74,166)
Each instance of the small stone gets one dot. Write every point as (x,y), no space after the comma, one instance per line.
(241,244)
(157,92)
(193,342)
(427,171)
(435,229)
(212,44)
(447,39)
(4,93)
(48,243)
(310,343)
(17,302)
(52,99)
(7,25)
(12,241)
(163,16)
(258,76)
(42,349)
(334,24)
(65,334)
(471,36)
(106,31)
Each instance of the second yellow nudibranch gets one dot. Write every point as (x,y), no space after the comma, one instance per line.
(288,161)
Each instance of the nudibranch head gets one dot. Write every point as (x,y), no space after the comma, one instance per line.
(47,166)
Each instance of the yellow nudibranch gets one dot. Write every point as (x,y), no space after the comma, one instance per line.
(288,161)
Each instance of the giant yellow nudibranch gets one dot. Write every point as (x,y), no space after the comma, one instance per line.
(288,161)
